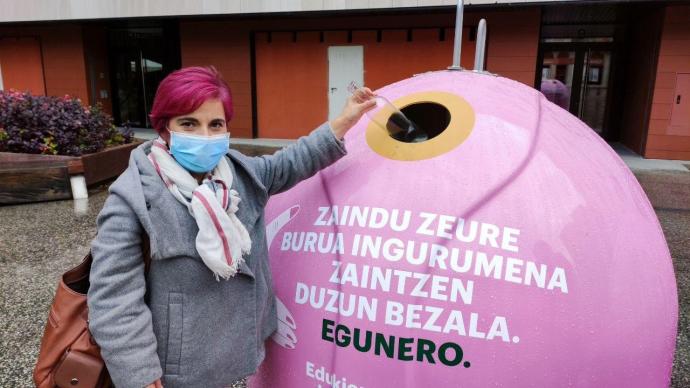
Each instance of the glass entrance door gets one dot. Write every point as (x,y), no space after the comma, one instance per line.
(557,72)
(140,58)
(577,77)
(594,88)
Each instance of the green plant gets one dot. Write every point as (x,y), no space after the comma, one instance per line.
(55,125)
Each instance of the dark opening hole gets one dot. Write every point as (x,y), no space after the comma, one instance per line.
(426,121)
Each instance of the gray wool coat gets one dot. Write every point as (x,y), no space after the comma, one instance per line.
(179,323)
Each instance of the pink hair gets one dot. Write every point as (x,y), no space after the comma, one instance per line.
(184,90)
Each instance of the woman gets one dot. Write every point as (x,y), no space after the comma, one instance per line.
(201,316)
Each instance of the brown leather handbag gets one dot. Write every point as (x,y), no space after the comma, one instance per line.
(69,356)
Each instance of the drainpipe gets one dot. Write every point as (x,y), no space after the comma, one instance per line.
(457,44)
(481,46)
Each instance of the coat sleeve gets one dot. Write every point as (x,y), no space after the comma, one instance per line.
(296,162)
(119,319)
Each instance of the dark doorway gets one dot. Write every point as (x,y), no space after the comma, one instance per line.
(581,65)
(578,76)
(140,56)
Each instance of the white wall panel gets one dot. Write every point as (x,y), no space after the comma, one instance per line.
(38,10)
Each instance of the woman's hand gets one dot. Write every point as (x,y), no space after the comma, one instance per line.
(357,104)
(155,384)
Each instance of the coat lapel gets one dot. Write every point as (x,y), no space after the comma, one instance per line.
(174,228)
(248,212)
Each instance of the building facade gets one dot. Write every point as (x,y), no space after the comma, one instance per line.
(623,67)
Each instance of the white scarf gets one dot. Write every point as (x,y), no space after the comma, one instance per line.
(222,239)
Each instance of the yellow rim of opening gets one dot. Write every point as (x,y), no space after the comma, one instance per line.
(458,130)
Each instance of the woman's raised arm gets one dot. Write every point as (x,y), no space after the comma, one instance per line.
(323,146)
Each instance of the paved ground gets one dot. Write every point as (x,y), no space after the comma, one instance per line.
(39,241)
(669,192)
(640,164)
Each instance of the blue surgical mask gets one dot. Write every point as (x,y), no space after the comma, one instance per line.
(198,153)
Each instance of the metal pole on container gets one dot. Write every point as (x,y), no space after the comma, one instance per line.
(481,46)
(457,44)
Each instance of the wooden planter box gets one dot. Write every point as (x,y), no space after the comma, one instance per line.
(32,178)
